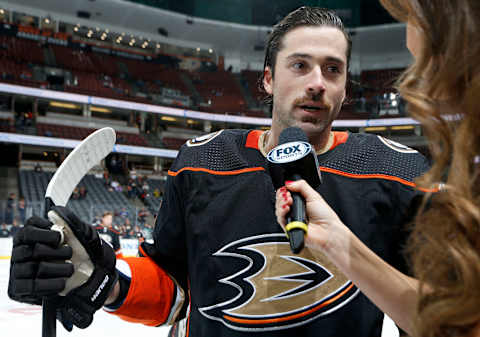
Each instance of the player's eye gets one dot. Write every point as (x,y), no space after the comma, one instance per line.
(333,69)
(298,65)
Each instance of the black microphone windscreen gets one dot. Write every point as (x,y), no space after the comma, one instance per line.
(292,134)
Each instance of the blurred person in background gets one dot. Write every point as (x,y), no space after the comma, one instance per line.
(109,233)
(21,210)
(10,209)
(4,231)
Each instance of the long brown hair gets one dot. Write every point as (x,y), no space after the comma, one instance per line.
(442,89)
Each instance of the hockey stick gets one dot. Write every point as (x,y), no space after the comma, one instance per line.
(83,158)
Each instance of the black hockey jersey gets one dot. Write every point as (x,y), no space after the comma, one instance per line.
(216,235)
(111,236)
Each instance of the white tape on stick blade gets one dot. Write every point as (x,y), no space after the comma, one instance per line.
(81,160)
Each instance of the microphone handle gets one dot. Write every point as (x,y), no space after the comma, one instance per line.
(296,221)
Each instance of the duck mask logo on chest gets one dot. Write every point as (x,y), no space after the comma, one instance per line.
(278,289)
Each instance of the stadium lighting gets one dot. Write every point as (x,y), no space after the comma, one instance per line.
(2,11)
(168,118)
(64,105)
(99,109)
(403,127)
(375,128)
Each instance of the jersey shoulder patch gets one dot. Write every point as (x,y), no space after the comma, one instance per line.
(372,155)
(203,139)
(219,151)
(396,146)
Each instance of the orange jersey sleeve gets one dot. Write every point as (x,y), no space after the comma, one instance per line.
(150,296)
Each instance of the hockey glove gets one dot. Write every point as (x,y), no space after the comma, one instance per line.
(38,267)
(89,281)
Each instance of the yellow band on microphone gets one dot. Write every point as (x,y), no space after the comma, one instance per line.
(296,224)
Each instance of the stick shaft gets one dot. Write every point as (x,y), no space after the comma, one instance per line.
(49,323)
(49,310)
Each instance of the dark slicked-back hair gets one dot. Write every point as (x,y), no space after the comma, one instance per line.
(302,17)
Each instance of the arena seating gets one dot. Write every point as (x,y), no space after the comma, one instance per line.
(173,143)
(99,199)
(70,132)
(220,89)
(21,50)
(151,201)
(251,78)
(6,125)
(380,81)
(104,75)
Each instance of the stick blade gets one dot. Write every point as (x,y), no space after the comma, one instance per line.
(81,160)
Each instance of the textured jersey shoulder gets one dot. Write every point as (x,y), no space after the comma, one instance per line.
(366,154)
(223,150)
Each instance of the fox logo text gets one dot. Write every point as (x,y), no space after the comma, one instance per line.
(289,152)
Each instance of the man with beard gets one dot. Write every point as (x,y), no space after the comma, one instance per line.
(219,263)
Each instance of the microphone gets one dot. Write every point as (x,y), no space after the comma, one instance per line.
(294,159)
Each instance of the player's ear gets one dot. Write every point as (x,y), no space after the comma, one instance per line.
(268,80)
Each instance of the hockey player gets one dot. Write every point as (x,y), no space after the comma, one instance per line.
(219,262)
(109,234)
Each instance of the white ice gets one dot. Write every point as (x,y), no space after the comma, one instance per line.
(19,320)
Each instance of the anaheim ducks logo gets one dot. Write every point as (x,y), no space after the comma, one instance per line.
(278,289)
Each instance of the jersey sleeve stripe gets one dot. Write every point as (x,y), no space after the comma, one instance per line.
(220,173)
(376,176)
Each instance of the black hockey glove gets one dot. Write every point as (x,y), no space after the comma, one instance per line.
(38,266)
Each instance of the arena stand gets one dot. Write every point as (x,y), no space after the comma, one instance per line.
(98,199)
(99,74)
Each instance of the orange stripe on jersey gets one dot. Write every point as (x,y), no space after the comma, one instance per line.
(252,139)
(376,176)
(291,317)
(150,296)
(220,173)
